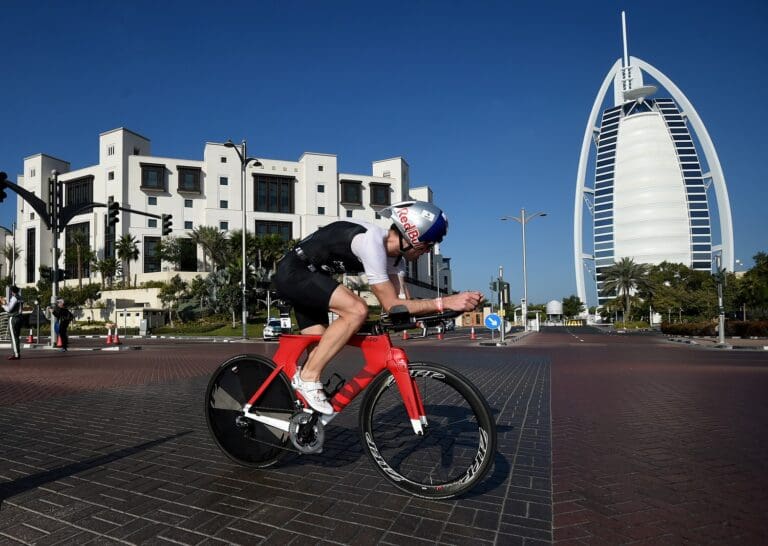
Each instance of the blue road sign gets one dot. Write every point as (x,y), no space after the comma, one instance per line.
(493,321)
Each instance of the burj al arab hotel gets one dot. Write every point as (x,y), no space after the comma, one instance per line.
(653,166)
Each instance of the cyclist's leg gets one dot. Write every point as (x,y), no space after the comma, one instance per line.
(352,311)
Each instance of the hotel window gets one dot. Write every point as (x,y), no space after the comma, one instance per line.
(223,159)
(224,226)
(31,253)
(386,174)
(188,224)
(187,203)
(321,188)
(380,195)
(351,192)
(151,254)
(32,172)
(349,214)
(152,201)
(321,210)
(223,204)
(273,194)
(152,177)
(79,191)
(111,175)
(189,179)
(320,168)
(223,181)
(111,149)
(152,222)
(136,151)
(283,229)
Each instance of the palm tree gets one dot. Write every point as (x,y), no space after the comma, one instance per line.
(127,249)
(213,242)
(624,278)
(11,253)
(83,253)
(108,267)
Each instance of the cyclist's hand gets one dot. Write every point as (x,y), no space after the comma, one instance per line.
(463,301)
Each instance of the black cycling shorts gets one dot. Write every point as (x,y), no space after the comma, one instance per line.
(309,292)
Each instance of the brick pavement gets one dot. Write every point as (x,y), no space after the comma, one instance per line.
(112,448)
(657,443)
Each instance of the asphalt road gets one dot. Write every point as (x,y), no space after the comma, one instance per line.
(602,439)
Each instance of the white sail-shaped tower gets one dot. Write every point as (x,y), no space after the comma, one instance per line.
(648,196)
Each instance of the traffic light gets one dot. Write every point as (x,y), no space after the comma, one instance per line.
(3,186)
(494,286)
(60,275)
(167,223)
(113,213)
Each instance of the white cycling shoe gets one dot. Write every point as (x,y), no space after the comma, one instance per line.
(313,393)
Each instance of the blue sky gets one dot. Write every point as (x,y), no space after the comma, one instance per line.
(487,101)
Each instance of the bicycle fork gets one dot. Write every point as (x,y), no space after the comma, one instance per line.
(409,391)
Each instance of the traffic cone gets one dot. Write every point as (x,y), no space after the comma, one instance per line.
(30,337)
(440,335)
(109,336)
(405,334)
(472,334)
(59,344)
(116,338)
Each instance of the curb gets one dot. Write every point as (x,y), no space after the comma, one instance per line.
(723,346)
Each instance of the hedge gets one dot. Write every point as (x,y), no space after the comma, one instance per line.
(733,328)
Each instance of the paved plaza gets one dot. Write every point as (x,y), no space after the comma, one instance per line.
(602,439)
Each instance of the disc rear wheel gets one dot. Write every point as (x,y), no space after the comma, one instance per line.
(244,440)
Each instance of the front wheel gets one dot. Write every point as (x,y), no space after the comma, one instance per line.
(243,440)
(459,442)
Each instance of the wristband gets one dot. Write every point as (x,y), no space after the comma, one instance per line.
(439,304)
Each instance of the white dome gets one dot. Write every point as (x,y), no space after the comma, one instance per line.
(555,307)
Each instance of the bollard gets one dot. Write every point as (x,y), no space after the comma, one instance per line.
(405,334)
(30,337)
(109,336)
(472,334)
(115,338)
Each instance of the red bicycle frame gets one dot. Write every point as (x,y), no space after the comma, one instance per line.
(379,355)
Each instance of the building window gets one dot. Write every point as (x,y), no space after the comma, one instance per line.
(32,172)
(320,168)
(349,214)
(189,179)
(111,175)
(321,188)
(152,201)
(273,194)
(31,215)
(76,233)
(187,203)
(224,226)
(152,222)
(223,204)
(223,181)
(223,159)
(351,192)
(188,261)
(380,195)
(111,149)
(188,225)
(136,151)
(386,174)
(151,255)
(152,177)
(283,229)
(31,255)
(79,191)
(321,210)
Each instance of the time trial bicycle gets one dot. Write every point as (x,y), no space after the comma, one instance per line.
(427,429)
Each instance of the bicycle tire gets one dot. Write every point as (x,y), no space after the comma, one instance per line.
(457,448)
(230,387)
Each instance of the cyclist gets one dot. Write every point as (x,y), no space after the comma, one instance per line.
(304,278)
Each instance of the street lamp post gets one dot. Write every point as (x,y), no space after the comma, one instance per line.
(721,309)
(523,219)
(244,161)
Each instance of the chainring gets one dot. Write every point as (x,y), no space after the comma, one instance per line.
(306,437)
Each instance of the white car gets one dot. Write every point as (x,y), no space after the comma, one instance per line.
(272,329)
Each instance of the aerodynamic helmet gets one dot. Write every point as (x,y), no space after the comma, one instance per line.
(417,221)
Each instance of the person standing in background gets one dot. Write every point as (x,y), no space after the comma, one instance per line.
(63,318)
(13,306)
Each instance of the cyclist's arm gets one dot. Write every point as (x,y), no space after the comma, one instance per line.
(387,295)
